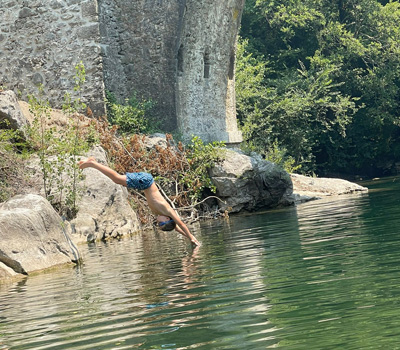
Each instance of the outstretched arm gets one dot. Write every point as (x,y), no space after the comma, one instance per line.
(187,234)
(160,206)
(182,228)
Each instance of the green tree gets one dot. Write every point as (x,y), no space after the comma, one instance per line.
(300,112)
(335,67)
(58,148)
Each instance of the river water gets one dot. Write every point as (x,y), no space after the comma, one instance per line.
(322,275)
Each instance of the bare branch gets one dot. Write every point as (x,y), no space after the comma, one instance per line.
(139,194)
(129,154)
(196,204)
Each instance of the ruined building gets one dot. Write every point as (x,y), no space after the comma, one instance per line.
(178,53)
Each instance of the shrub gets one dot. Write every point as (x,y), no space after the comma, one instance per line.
(180,172)
(58,149)
(133,116)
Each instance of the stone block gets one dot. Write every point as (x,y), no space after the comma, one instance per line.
(88,32)
(25,12)
(89,9)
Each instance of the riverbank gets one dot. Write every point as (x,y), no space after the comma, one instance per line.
(199,180)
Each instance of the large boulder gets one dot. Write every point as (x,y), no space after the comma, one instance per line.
(104,209)
(307,188)
(32,237)
(10,111)
(249,183)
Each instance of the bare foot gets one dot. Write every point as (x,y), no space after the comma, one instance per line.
(86,163)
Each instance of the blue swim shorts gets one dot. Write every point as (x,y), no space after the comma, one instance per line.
(139,181)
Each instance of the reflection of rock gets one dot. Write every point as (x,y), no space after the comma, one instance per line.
(250,183)
(104,210)
(32,237)
(309,188)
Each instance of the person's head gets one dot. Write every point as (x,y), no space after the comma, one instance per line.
(165,223)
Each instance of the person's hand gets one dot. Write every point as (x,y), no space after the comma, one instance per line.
(195,242)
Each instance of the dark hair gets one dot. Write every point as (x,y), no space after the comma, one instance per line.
(168,226)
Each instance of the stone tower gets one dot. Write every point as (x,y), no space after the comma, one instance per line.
(205,93)
(179,53)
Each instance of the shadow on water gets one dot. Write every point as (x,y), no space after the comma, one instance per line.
(322,275)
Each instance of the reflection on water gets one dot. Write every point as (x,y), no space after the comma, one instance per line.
(323,275)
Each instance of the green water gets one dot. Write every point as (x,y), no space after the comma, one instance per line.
(322,275)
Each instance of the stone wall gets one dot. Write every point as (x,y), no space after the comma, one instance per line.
(41,41)
(140,44)
(206,70)
(178,53)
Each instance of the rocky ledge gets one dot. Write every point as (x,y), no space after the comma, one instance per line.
(310,188)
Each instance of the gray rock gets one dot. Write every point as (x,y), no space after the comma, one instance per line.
(10,110)
(25,12)
(88,31)
(89,9)
(56,4)
(37,79)
(307,188)
(32,236)
(7,272)
(154,140)
(104,210)
(250,183)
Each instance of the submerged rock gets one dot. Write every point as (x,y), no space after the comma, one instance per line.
(32,236)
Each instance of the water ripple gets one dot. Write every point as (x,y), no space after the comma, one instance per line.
(323,275)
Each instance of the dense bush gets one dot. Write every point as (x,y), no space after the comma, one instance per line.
(180,171)
(321,78)
(132,116)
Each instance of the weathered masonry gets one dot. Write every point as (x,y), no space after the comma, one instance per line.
(179,53)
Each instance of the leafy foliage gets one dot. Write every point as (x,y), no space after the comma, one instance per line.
(330,88)
(58,148)
(133,116)
(201,158)
(298,112)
